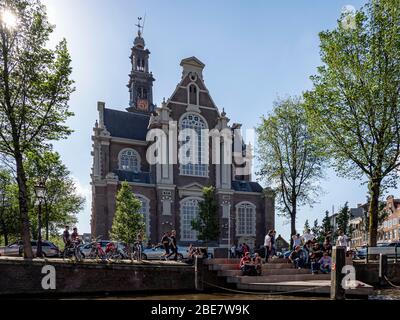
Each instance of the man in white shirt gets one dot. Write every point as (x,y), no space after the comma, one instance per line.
(267,245)
(307,236)
(342,240)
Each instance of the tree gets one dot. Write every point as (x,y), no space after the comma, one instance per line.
(291,158)
(61,203)
(206,223)
(34,92)
(306,226)
(326,227)
(355,104)
(128,221)
(9,224)
(316,230)
(343,219)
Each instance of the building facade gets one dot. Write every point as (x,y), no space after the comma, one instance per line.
(170,191)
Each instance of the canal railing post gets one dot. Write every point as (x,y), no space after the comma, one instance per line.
(338,262)
(198,273)
(383,260)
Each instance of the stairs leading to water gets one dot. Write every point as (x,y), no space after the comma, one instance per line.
(278,276)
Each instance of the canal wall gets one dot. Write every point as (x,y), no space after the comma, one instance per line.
(18,276)
(369,273)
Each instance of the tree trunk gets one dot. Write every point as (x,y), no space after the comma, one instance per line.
(293,224)
(23,206)
(374,212)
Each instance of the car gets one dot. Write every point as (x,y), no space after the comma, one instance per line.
(15,249)
(12,250)
(361,252)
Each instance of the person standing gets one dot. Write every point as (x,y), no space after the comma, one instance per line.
(307,236)
(342,240)
(267,245)
(66,237)
(273,244)
(165,243)
(173,246)
(296,240)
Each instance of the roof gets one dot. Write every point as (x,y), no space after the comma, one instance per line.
(193,61)
(129,125)
(246,186)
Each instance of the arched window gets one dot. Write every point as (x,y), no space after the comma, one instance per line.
(245,219)
(193,94)
(129,160)
(145,211)
(189,211)
(198,163)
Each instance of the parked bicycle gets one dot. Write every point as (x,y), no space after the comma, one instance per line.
(73,251)
(96,251)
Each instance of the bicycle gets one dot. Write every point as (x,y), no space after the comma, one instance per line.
(72,250)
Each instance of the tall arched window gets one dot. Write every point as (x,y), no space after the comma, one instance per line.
(193,94)
(189,211)
(198,155)
(129,160)
(245,219)
(145,211)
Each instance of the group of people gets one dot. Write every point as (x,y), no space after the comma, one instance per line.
(308,253)
(239,251)
(169,243)
(251,266)
(70,238)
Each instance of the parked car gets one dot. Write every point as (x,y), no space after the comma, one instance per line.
(12,250)
(15,249)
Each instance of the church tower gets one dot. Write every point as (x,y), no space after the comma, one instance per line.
(140,79)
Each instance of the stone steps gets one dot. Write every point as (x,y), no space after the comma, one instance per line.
(265,272)
(278,278)
(267,266)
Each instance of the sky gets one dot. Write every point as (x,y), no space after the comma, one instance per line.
(254,52)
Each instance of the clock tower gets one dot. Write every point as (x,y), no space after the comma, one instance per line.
(140,79)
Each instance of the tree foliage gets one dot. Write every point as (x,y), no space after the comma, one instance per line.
(35,87)
(9,222)
(207,222)
(62,202)
(355,103)
(128,221)
(343,219)
(326,227)
(291,158)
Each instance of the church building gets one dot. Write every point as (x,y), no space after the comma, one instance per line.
(170,193)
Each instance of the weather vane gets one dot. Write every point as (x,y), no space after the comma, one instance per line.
(140,26)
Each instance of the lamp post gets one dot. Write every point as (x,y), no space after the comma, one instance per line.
(2,203)
(40,191)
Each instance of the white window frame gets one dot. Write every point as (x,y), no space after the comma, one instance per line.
(239,223)
(146,212)
(200,169)
(138,159)
(183,231)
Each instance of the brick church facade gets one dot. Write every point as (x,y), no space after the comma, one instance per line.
(170,192)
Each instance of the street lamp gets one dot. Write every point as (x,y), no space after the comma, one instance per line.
(40,191)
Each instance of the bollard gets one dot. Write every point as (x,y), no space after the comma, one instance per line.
(383,260)
(198,273)
(338,262)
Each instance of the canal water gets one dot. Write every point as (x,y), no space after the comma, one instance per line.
(385,294)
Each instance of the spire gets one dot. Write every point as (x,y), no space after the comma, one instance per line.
(139,41)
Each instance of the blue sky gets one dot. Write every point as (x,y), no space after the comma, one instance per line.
(254,51)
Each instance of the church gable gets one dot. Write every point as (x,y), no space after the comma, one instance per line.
(191,90)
